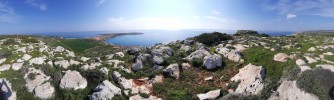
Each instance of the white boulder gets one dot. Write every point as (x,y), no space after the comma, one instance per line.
(172,70)
(105,91)
(73,80)
(300,62)
(63,63)
(212,61)
(44,91)
(209,95)
(5,67)
(17,66)
(281,57)
(251,79)
(37,61)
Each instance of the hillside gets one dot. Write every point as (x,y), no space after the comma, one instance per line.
(229,68)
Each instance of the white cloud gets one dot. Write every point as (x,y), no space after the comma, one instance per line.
(7,14)
(100,2)
(216,12)
(220,19)
(38,4)
(168,23)
(290,16)
(322,8)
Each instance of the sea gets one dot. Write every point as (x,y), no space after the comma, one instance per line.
(149,38)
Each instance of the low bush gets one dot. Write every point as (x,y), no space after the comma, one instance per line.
(318,81)
(212,38)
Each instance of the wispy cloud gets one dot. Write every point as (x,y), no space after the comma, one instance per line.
(290,16)
(7,14)
(38,4)
(216,12)
(324,8)
(100,2)
(225,20)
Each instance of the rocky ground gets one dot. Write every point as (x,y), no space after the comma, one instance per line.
(299,67)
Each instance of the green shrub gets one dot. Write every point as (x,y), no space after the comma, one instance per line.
(10,42)
(212,38)
(196,62)
(318,81)
(246,32)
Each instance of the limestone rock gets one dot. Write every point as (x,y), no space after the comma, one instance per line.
(2,60)
(300,62)
(281,57)
(34,77)
(239,47)
(73,80)
(37,61)
(137,66)
(212,61)
(44,91)
(288,90)
(17,66)
(26,57)
(63,63)
(5,67)
(172,70)
(105,91)
(311,49)
(119,54)
(158,60)
(186,66)
(231,54)
(310,60)
(209,95)
(73,62)
(185,48)
(251,79)
(84,59)
(138,97)
(199,54)
(104,70)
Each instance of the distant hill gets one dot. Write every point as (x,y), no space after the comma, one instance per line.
(316,32)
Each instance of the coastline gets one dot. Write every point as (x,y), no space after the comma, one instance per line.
(104,37)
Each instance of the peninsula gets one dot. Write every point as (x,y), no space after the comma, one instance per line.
(103,37)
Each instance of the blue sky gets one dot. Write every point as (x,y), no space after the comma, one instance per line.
(102,15)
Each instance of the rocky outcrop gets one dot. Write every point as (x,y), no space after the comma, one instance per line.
(44,91)
(212,61)
(138,65)
(231,54)
(63,63)
(198,54)
(3,60)
(158,60)
(251,79)
(17,66)
(162,50)
(119,54)
(300,62)
(105,91)
(26,57)
(288,90)
(37,61)
(185,48)
(73,80)
(5,67)
(281,57)
(37,83)
(172,70)
(104,70)
(209,95)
